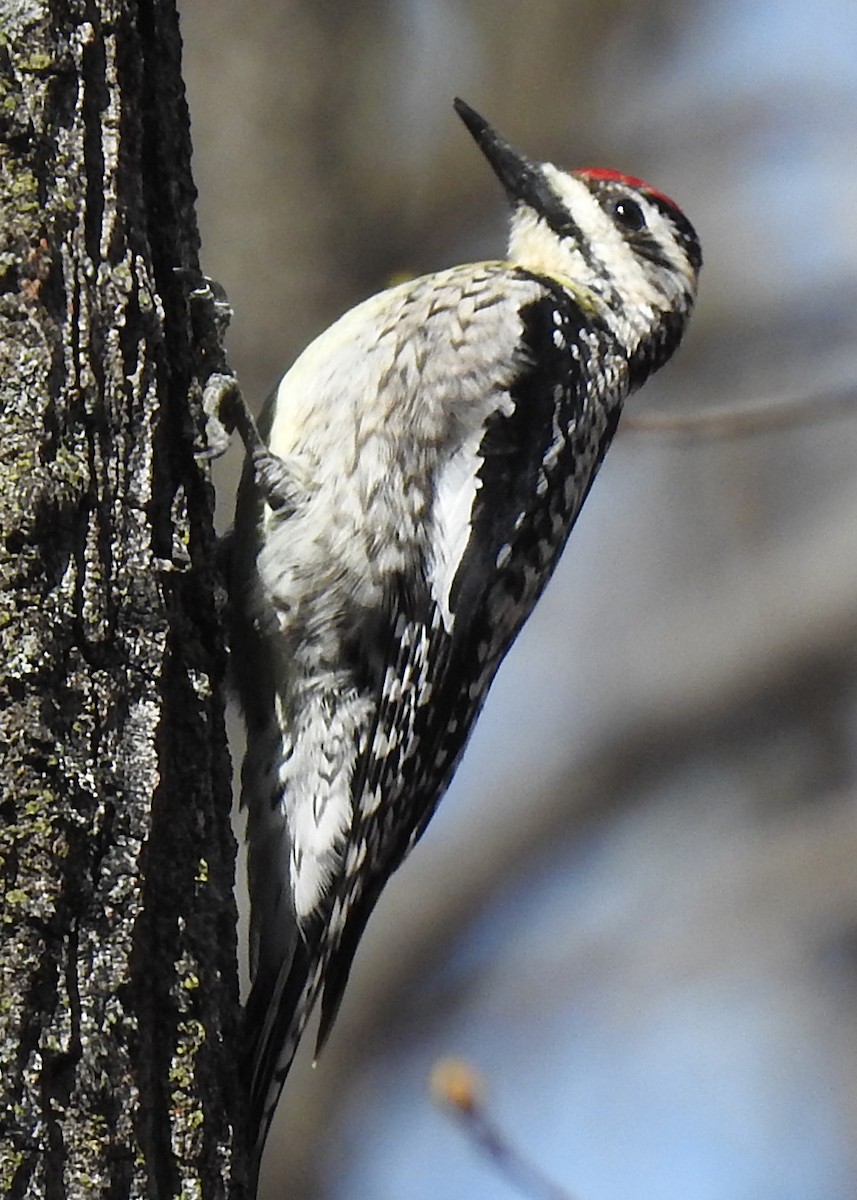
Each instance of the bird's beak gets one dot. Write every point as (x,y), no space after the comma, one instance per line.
(521,178)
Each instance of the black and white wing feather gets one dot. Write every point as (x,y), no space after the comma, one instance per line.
(500,509)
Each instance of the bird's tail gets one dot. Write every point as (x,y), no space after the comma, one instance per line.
(275,1018)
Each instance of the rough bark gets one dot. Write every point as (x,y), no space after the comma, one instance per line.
(118,1006)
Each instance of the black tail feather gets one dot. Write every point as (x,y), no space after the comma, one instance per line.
(339,964)
(277,1011)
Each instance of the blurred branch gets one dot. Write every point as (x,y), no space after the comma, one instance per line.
(456,1087)
(747,418)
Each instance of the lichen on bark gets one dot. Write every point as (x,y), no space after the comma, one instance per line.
(118,993)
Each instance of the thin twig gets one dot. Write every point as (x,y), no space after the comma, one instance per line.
(740,420)
(456,1087)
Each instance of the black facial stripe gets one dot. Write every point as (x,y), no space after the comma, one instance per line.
(646,246)
(556,216)
(685,234)
(557,219)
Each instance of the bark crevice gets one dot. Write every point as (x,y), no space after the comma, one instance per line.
(118,996)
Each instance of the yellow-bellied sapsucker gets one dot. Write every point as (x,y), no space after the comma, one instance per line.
(424,461)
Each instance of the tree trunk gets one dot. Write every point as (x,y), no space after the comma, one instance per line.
(118,1008)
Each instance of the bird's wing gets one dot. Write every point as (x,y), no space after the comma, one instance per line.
(503,507)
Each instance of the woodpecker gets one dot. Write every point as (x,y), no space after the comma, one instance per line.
(418,472)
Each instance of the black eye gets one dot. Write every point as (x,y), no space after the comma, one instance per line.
(628,214)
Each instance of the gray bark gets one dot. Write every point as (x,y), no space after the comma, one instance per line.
(118,1000)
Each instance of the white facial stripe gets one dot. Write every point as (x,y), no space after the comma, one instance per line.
(604,238)
(662,230)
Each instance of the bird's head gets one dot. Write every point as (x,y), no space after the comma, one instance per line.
(613,239)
